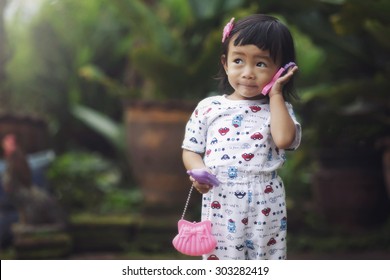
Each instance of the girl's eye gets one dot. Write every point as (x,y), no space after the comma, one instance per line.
(261,64)
(237,60)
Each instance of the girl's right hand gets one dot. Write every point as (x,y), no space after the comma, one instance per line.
(277,88)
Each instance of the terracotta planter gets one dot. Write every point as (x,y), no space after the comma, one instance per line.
(155,133)
(349,189)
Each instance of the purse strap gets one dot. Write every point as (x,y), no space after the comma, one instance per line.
(188,202)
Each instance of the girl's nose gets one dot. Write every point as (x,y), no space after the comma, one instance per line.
(248,73)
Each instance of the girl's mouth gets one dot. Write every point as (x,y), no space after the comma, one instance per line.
(247,85)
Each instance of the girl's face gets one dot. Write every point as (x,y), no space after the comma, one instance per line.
(248,69)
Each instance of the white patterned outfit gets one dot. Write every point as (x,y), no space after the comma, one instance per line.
(248,208)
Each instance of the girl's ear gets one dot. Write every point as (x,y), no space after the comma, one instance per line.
(224,62)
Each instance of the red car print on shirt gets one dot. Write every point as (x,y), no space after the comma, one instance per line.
(255,108)
(257,136)
(266,211)
(244,221)
(208,152)
(215,205)
(272,241)
(213,257)
(268,189)
(223,131)
(247,157)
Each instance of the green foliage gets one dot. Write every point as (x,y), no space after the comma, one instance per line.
(310,57)
(347,106)
(88,182)
(296,176)
(174,47)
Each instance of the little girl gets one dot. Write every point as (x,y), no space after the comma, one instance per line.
(241,138)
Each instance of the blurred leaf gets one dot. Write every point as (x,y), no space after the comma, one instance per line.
(208,9)
(143,22)
(379,32)
(92,73)
(310,57)
(101,124)
(95,74)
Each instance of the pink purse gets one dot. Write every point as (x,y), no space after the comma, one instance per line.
(194,239)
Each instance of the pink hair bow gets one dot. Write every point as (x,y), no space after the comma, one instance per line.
(227,29)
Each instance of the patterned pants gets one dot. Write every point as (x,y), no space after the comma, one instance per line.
(248,215)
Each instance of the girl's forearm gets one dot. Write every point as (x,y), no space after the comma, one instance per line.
(282,125)
(192,160)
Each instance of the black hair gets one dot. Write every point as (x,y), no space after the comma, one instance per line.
(267,33)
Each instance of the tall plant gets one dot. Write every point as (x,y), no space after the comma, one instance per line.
(174,49)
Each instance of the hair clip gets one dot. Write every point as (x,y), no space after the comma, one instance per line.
(227,29)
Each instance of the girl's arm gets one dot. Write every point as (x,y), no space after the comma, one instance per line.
(194,160)
(282,126)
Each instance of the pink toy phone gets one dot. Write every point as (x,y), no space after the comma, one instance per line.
(282,70)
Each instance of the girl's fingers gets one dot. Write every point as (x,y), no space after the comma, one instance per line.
(284,79)
(202,188)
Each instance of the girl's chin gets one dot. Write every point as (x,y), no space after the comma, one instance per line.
(255,96)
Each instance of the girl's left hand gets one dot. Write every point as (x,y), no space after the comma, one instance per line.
(201,188)
(279,83)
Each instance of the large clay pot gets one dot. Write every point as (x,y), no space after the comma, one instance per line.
(155,133)
(349,189)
